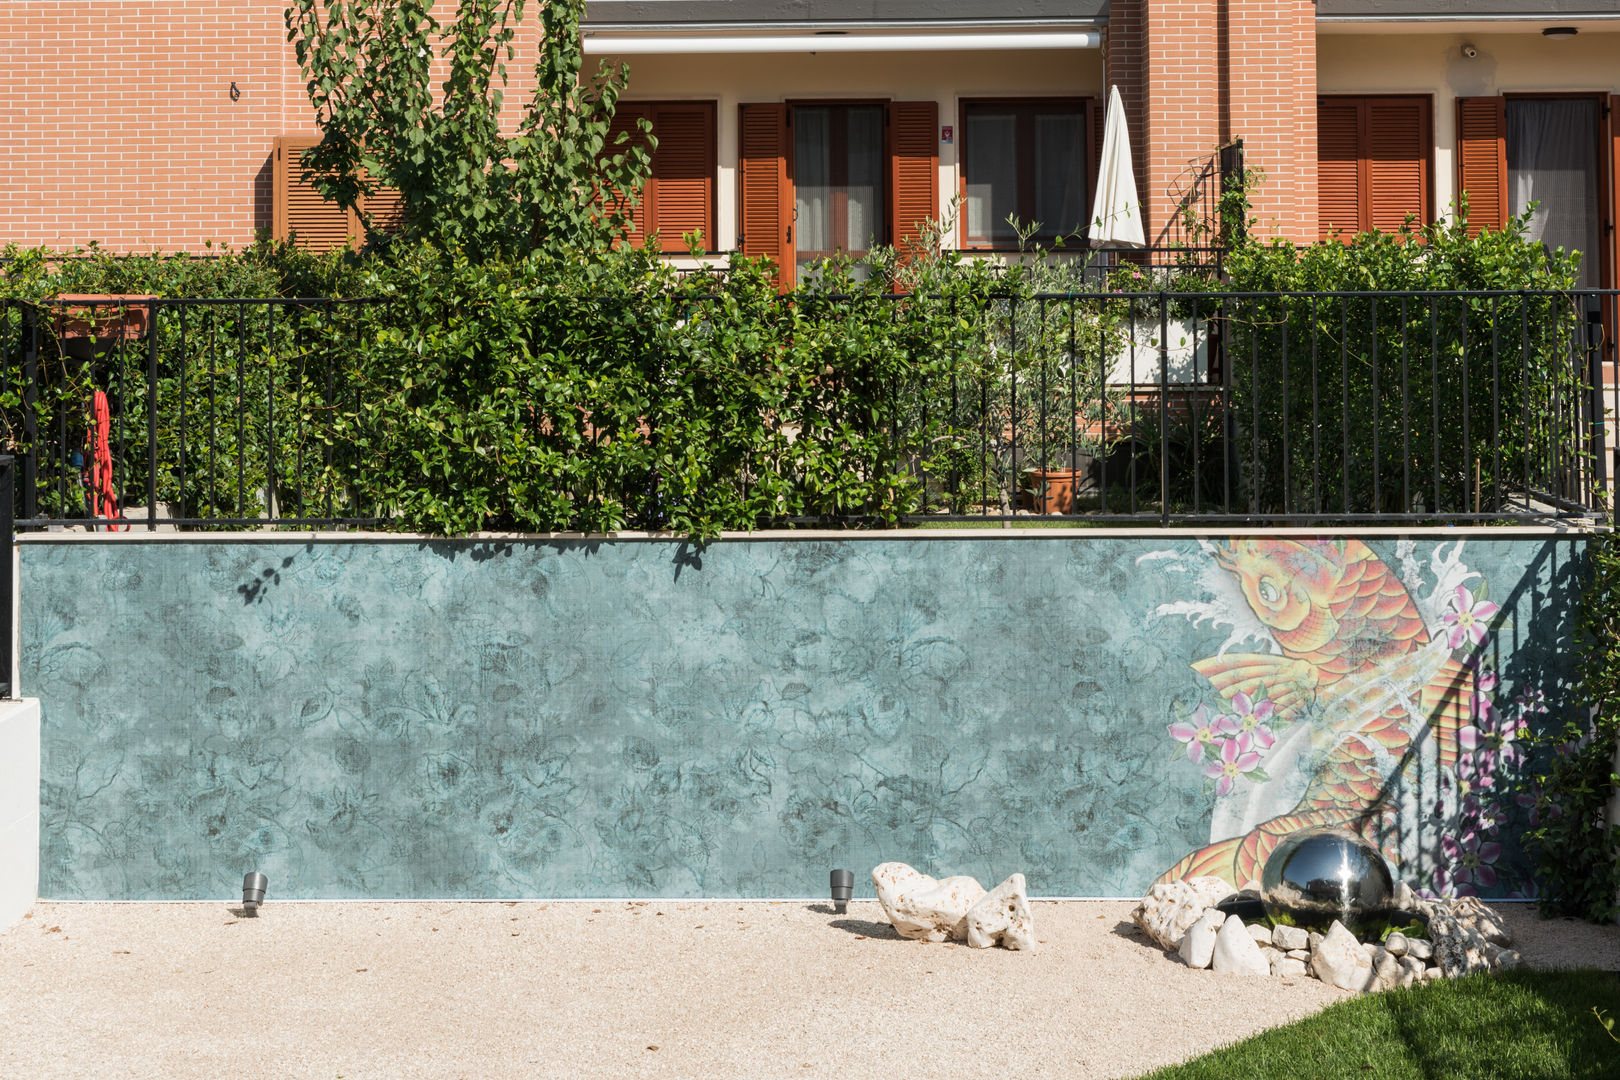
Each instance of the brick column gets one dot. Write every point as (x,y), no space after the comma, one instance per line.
(1195,74)
(1269,84)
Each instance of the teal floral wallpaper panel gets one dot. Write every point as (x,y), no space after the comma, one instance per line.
(412,718)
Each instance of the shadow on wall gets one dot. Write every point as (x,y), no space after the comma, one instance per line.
(264,196)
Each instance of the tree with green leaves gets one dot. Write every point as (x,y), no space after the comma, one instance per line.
(556,184)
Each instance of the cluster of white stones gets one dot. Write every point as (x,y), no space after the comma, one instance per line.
(955,908)
(1464,936)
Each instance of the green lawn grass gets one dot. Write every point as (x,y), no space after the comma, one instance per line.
(1521,1024)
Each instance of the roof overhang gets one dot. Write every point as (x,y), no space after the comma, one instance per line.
(1453,16)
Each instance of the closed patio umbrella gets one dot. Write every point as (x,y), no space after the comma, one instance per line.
(1116,212)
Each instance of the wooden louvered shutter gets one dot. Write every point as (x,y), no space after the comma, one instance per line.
(1614,216)
(387,209)
(913,168)
(300,212)
(1397,155)
(1482,161)
(1339,181)
(681,191)
(625,122)
(764,194)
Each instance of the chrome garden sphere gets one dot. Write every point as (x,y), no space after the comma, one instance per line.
(1318,875)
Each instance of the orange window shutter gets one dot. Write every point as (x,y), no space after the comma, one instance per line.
(1614,209)
(625,122)
(1339,180)
(299,211)
(913,168)
(1482,160)
(681,190)
(1397,156)
(387,209)
(763,191)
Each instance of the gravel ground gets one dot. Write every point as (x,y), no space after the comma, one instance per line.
(615,989)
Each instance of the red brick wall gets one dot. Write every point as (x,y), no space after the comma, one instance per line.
(118,124)
(1269,78)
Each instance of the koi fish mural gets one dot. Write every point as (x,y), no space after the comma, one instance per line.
(1360,695)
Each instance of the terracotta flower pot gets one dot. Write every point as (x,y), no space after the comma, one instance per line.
(1051,491)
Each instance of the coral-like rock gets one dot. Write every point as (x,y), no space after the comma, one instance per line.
(1002,915)
(1169,908)
(921,907)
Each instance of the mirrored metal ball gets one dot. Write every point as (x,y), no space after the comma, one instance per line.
(1318,875)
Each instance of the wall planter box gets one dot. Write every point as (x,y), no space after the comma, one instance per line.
(1136,361)
(102,317)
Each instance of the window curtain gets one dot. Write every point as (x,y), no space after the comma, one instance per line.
(1552,161)
(1060,174)
(865,192)
(812,179)
(991,142)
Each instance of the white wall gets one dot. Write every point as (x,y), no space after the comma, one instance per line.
(19,809)
(944,77)
(1523,62)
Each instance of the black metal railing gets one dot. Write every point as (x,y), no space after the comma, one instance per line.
(1103,406)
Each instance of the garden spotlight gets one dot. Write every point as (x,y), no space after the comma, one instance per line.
(253,886)
(843,883)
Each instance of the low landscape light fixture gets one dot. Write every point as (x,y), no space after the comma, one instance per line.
(843,883)
(253,886)
(1559,32)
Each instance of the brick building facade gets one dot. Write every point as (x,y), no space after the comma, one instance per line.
(151,124)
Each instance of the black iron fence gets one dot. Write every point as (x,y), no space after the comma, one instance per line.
(1124,407)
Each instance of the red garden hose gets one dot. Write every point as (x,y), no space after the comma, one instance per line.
(101,484)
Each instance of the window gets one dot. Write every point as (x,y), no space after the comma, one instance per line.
(837,181)
(1545,149)
(816,179)
(679,196)
(1373,163)
(1028,160)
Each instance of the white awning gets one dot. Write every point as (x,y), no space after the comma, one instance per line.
(675,44)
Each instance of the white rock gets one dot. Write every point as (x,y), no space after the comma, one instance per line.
(1198,943)
(1289,938)
(921,907)
(1405,898)
(1236,953)
(1396,944)
(1169,908)
(1261,933)
(1299,954)
(1432,973)
(1288,966)
(1412,966)
(1419,948)
(1386,973)
(1338,960)
(1002,915)
(1314,939)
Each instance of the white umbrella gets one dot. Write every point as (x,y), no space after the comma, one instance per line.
(1116,212)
